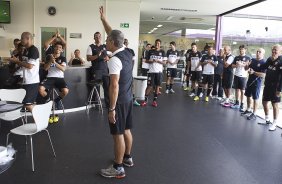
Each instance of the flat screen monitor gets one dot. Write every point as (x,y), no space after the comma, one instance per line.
(5,15)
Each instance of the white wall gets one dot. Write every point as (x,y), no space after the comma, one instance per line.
(126,12)
(77,16)
(21,20)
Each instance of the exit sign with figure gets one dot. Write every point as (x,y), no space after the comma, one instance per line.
(124,25)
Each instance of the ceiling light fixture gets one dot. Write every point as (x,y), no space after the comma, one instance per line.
(169,17)
(159,25)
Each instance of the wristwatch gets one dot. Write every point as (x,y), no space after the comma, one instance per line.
(112,109)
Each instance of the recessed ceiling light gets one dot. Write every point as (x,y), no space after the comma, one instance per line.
(159,25)
(169,17)
(155,28)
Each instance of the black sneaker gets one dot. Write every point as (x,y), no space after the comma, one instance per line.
(252,117)
(241,108)
(246,112)
(128,162)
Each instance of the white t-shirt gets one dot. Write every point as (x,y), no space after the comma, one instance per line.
(156,55)
(172,56)
(208,69)
(240,70)
(114,64)
(31,56)
(53,70)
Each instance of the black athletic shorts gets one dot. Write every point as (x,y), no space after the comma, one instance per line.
(227,80)
(269,94)
(31,93)
(154,79)
(144,71)
(54,82)
(171,72)
(123,118)
(208,79)
(196,76)
(240,82)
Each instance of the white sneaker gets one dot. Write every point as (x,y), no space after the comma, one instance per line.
(192,94)
(171,91)
(219,98)
(201,95)
(224,101)
(167,91)
(273,127)
(111,172)
(214,96)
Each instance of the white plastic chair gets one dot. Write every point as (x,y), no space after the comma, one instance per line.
(40,115)
(15,95)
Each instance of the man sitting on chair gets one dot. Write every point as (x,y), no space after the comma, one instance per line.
(55,65)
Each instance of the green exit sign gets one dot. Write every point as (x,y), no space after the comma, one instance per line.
(124,25)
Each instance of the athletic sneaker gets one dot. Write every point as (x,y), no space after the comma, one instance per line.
(186,89)
(252,117)
(154,104)
(214,97)
(56,119)
(144,103)
(223,101)
(196,98)
(171,91)
(227,104)
(206,98)
(246,112)
(219,98)
(266,122)
(235,106)
(192,94)
(273,127)
(51,120)
(136,103)
(241,109)
(128,162)
(111,172)
(201,95)
(167,91)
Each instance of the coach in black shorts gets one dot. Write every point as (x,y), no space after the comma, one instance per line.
(273,85)
(120,108)
(55,65)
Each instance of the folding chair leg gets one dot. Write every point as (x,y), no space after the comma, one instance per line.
(31,150)
(51,142)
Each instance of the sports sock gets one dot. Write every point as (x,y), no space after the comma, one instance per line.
(170,86)
(126,156)
(116,166)
(155,96)
(209,91)
(167,86)
(187,84)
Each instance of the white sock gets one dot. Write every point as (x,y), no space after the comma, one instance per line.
(266,117)
(275,121)
(227,100)
(249,109)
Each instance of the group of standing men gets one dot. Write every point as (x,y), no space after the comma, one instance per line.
(215,76)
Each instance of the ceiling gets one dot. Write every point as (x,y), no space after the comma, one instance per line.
(183,14)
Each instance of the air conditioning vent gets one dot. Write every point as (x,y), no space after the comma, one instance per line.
(178,10)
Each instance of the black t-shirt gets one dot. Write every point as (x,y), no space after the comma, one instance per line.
(219,68)
(99,63)
(273,77)
(255,65)
(76,61)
